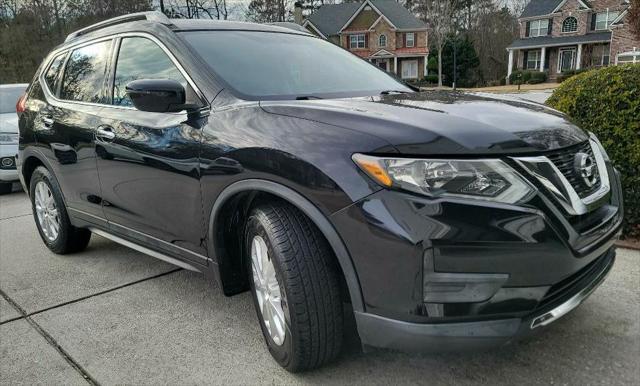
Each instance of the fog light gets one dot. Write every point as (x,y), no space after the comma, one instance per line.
(7,162)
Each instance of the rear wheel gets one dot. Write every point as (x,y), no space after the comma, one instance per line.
(51,216)
(294,281)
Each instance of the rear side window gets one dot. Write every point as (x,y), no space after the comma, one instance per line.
(52,73)
(141,58)
(85,73)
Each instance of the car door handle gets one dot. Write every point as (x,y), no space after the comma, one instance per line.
(105,133)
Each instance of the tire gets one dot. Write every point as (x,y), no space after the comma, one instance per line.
(307,280)
(6,187)
(67,239)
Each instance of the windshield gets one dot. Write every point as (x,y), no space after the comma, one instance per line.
(266,65)
(9,97)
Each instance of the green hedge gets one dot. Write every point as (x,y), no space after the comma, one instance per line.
(527,76)
(607,102)
(431,78)
(564,75)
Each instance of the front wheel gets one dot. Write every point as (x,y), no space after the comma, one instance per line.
(294,281)
(51,216)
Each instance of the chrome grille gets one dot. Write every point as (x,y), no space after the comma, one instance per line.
(564,161)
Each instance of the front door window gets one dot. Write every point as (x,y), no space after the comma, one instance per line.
(566,60)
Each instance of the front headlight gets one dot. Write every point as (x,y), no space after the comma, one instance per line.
(8,139)
(490,179)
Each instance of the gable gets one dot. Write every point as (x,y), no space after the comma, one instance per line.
(363,20)
(570,5)
(331,19)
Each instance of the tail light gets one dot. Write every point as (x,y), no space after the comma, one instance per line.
(21,103)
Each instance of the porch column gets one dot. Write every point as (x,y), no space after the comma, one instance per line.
(425,65)
(510,65)
(579,58)
(543,52)
(395,65)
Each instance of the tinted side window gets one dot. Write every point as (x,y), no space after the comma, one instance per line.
(85,73)
(141,58)
(52,73)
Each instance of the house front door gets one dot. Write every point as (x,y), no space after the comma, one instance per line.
(382,63)
(567,59)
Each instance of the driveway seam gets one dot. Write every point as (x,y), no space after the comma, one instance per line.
(26,315)
(52,342)
(18,216)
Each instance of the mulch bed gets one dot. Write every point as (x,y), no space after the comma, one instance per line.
(629,243)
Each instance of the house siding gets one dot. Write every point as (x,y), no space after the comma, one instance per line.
(622,38)
(382,28)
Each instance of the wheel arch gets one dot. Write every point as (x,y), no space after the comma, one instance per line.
(31,160)
(253,187)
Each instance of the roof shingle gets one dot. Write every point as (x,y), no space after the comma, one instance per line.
(539,7)
(549,41)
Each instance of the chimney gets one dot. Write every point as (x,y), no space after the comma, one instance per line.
(297,12)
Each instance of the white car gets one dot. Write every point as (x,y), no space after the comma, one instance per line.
(9,94)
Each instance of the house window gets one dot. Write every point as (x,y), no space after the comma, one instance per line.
(382,41)
(604,19)
(357,41)
(411,39)
(570,24)
(533,60)
(409,69)
(600,55)
(538,28)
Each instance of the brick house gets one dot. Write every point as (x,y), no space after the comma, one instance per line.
(561,35)
(381,31)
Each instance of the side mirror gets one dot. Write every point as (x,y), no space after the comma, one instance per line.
(157,95)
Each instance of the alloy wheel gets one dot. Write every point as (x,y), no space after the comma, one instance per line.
(267,290)
(47,211)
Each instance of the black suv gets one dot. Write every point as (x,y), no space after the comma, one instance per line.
(276,162)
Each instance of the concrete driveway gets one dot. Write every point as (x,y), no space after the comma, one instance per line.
(113,316)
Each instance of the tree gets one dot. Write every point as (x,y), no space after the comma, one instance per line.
(269,11)
(466,62)
(195,9)
(634,17)
(439,14)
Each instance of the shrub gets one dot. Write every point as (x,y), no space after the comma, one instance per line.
(527,76)
(564,75)
(538,77)
(431,78)
(432,64)
(606,102)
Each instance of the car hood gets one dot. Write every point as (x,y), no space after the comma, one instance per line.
(445,123)
(9,123)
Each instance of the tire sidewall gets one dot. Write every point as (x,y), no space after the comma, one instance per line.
(41,174)
(258,226)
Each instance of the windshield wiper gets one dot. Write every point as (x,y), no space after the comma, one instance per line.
(306,97)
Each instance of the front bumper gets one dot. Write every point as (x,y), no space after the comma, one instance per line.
(384,332)
(471,273)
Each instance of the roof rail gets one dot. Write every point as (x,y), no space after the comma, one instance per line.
(154,16)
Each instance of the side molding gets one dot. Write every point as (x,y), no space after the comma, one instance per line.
(307,208)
